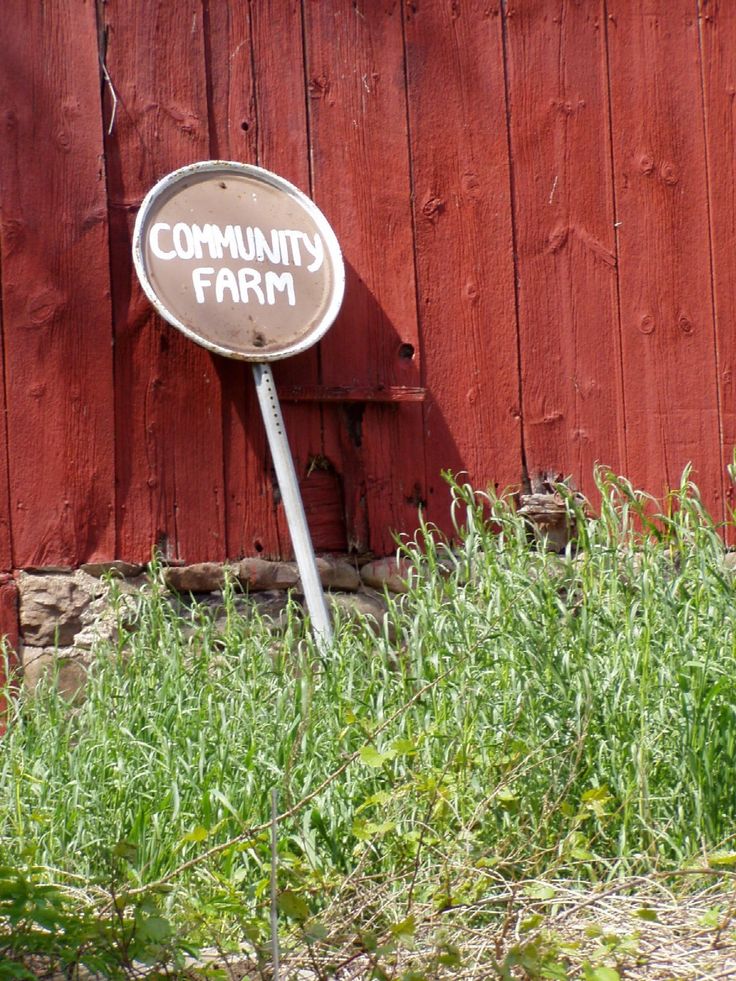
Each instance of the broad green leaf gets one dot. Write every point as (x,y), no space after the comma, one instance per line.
(722,858)
(404,747)
(404,928)
(600,973)
(127,850)
(540,890)
(315,931)
(596,793)
(196,834)
(645,913)
(531,922)
(372,757)
(293,906)
(156,928)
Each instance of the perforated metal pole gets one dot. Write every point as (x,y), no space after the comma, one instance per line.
(293,506)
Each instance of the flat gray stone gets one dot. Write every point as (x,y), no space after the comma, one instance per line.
(52,607)
(729,561)
(202,577)
(365,605)
(68,663)
(337,574)
(257,575)
(392,573)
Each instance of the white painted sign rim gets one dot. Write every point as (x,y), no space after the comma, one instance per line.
(332,246)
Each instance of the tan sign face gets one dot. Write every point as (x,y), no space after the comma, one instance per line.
(239,260)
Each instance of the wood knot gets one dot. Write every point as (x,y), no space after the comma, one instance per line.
(37,391)
(646,164)
(432,207)
(95,217)
(557,238)
(668,173)
(470,184)
(471,291)
(646,324)
(14,234)
(319,86)
(44,306)
(685,324)
(64,140)
(71,108)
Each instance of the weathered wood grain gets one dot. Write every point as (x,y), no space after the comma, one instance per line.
(464,245)
(168,405)
(668,350)
(251,526)
(258,115)
(55,287)
(6,550)
(565,239)
(360,155)
(718,61)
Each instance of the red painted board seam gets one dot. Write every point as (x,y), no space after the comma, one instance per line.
(5,423)
(101,46)
(711,260)
(514,238)
(211,130)
(413,218)
(214,149)
(622,388)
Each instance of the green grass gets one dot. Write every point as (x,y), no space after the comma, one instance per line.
(578,719)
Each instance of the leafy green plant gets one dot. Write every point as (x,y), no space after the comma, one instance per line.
(519,714)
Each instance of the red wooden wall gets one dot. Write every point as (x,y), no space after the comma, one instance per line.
(536,202)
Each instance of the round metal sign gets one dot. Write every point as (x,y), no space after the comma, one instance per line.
(239,260)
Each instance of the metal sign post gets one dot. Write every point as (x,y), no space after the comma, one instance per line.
(243,263)
(293,506)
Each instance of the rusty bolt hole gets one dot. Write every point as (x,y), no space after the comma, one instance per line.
(406,352)
(245,126)
(258,545)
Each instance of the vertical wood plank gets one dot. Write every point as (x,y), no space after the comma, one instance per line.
(250,519)
(6,550)
(283,147)
(718,60)
(168,404)
(464,242)
(258,115)
(669,362)
(361,181)
(566,243)
(55,286)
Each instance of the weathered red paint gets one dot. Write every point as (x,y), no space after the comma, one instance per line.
(537,203)
(718,69)
(55,287)
(169,459)
(566,239)
(360,152)
(665,288)
(464,244)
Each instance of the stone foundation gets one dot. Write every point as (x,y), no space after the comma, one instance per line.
(64,615)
